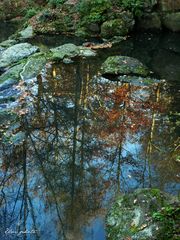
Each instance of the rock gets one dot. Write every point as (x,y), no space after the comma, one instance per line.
(67,61)
(131,216)
(26,33)
(118,27)
(149,21)
(68,50)
(172,21)
(120,65)
(94,27)
(171,5)
(12,74)
(33,67)
(86,52)
(16,53)
(8,43)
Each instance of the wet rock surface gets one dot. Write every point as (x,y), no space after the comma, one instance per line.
(69,50)
(16,53)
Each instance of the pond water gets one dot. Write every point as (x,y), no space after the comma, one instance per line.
(87,139)
(7,29)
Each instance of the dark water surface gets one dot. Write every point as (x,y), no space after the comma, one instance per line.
(7,29)
(88,138)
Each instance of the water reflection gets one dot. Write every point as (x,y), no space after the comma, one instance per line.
(7,29)
(86,139)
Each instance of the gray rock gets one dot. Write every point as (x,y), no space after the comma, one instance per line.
(26,33)
(121,65)
(86,52)
(172,21)
(16,53)
(12,74)
(33,66)
(68,50)
(8,43)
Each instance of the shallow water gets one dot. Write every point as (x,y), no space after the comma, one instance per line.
(87,139)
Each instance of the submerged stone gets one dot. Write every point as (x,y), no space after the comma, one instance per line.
(16,53)
(120,65)
(131,215)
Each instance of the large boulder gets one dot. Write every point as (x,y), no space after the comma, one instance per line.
(149,21)
(118,27)
(120,65)
(169,6)
(133,216)
(33,67)
(172,21)
(16,53)
(12,74)
(26,33)
(69,50)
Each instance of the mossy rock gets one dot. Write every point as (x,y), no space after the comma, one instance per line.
(121,65)
(118,27)
(16,53)
(172,21)
(8,43)
(33,66)
(131,216)
(149,21)
(68,50)
(12,74)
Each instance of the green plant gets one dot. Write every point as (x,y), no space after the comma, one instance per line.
(31,12)
(135,6)
(55,3)
(168,217)
(93,10)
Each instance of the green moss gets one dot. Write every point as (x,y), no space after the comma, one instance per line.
(169,216)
